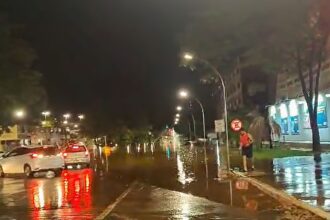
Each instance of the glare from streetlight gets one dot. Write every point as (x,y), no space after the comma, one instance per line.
(75,126)
(177,115)
(81,117)
(183,94)
(188,56)
(19,114)
(45,113)
(179,108)
(67,115)
(176,123)
(65,122)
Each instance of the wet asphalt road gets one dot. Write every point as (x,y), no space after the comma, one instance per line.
(169,169)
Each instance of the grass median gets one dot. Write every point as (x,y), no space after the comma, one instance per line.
(266,154)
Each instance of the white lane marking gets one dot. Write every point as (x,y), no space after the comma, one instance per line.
(109,209)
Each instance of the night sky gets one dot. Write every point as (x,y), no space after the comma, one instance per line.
(111,59)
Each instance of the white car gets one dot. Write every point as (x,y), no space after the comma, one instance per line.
(76,155)
(32,160)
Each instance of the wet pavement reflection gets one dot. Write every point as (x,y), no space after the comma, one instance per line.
(168,168)
(304,178)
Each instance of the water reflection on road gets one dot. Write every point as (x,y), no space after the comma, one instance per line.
(83,194)
(71,193)
(304,178)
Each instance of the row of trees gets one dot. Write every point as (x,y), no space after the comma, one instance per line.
(20,83)
(275,36)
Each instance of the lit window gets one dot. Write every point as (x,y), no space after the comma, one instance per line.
(283,110)
(293,108)
(272,111)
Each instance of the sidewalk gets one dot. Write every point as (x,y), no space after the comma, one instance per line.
(300,177)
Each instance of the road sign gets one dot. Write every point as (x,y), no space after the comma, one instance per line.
(236,125)
(219,126)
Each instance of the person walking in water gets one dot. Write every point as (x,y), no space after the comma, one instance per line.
(246,147)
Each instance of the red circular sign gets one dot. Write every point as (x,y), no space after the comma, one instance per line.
(236,125)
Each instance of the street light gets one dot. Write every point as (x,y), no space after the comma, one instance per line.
(65,122)
(75,126)
(67,116)
(19,114)
(81,117)
(179,108)
(185,94)
(189,57)
(45,113)
(177,115)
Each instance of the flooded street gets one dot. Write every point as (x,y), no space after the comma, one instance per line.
(301,177)
(172,181)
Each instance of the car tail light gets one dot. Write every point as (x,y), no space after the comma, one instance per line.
(34,155)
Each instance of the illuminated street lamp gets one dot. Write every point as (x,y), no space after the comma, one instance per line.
(179,108)
(67,116)
(185,94)
(81,117)
(177,115)
(45,113)
(189,57)
(76,126)
(19,114)
(65,122)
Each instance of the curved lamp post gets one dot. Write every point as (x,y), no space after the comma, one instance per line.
(190,57)
(185,94)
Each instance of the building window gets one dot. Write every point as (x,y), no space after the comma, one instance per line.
(322,119)
(294,120)
(272,112)
(284,119)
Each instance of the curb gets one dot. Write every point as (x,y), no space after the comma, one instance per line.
(282,196)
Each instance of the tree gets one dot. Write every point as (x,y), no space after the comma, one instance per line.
(20,84)
(274,35)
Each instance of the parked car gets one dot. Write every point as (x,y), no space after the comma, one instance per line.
(32,160)
(76,155)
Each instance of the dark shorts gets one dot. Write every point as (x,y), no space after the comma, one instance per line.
(247,151)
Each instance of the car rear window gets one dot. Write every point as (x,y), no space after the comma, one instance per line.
(75,148)
(49,150)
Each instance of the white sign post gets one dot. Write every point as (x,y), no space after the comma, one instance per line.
(219,126)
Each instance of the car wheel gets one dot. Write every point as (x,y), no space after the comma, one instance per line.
(2,174)
(58,172)
(27,171)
